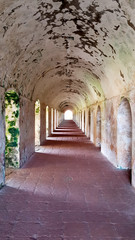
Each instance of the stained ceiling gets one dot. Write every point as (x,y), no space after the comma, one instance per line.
(67,53)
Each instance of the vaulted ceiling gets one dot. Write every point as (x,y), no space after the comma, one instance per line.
(67,53)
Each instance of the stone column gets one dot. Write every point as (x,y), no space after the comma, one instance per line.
(49,125)
(42,123)
(52,120)
(57,114)
(80,121)
(2,136)
(27,129)
(83,121)
(87,123)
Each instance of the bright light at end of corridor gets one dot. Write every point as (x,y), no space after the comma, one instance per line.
(68,115)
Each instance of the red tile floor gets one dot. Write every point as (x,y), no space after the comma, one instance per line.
(68,191)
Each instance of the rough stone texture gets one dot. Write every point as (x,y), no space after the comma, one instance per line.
(124,135)
(83,118)
(52,120)
(71,197)
(87,122)
(60,117)
(42,122)
(49,125)
(2,136)
(67,53)
(27,129)
(110,144)
(98,127)
(37,122)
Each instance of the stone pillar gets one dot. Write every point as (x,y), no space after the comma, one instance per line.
(27,129)
(80,116)
(92,126)
(42,123)
(87,123)
(2,136)
(57,116)
(49,125)
(60,118)
(52,120)
(83,121)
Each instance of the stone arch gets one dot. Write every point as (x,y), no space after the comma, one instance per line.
(12,133)
(52,120)
(92,126)
(124,135)
(37,123)
(68,115)
(98,127)
(47,121)
(84,121)
(89,122)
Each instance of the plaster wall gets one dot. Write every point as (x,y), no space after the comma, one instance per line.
(87,126)
(83,120)
(42,122)
(54,119)
(109,118)
(27,129)
(2,136)
(49,126)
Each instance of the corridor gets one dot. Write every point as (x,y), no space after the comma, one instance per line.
(67,191)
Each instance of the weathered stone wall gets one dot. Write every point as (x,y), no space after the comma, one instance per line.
(2,136)
(42,122)
(87,123)
(109,130)
(109,137)
(49,126)
(37,123)
(27,129)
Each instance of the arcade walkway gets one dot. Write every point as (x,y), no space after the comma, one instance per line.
(68,191)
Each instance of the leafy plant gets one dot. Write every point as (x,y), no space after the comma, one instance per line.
(12,129)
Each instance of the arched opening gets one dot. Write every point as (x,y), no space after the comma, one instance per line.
(98,128)
(89,122)
(68,115)
(47,121)
(52,120)
(84,122)
(37,123)
(92,127)
(124,135)
(12,110)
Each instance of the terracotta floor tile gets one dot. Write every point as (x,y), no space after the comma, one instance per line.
(67,191)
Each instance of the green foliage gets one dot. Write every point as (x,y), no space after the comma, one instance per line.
(37,109)
(37,106)
(12,130)
(11,96)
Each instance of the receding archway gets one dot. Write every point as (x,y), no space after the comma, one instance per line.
(84,122)
(12,134)
(37,123)
(92,127)
(68,115)
(47,121)
(89,122)
(98,127)
(124,135)
(52,120)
